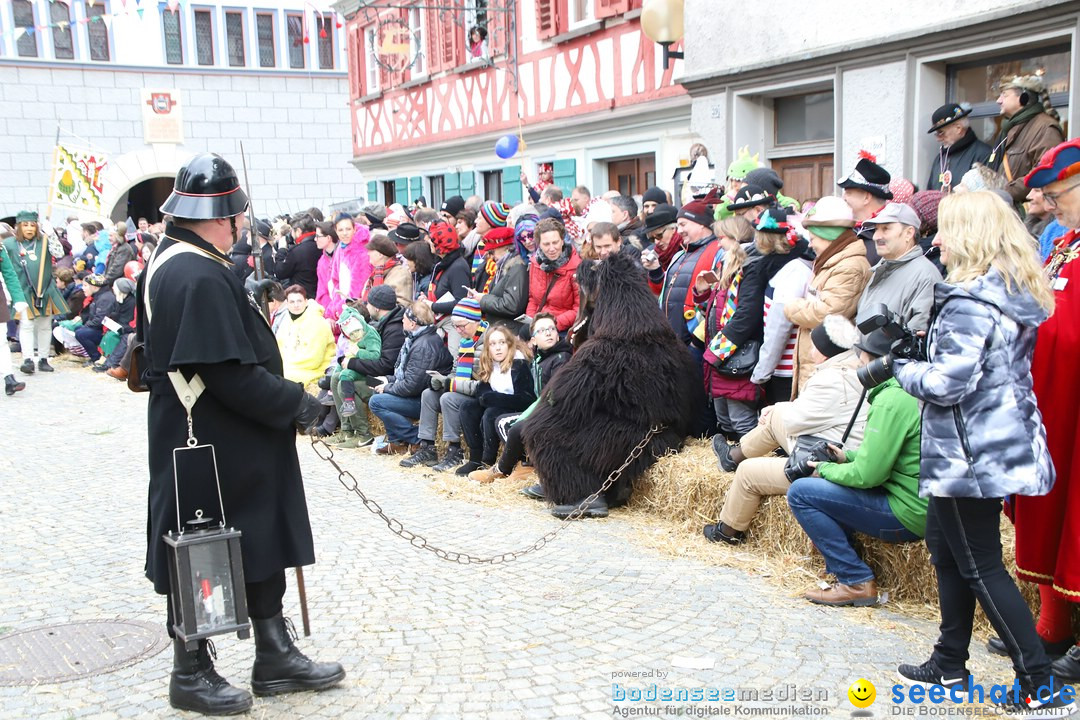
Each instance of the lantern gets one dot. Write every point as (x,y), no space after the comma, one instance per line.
(207,578)
(662,22)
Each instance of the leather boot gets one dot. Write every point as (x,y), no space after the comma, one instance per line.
(196,686)
(280,667)
(12,386)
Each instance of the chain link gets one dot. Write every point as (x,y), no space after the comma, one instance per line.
(349,482)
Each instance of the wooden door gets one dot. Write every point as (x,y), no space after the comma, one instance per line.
(806,178)
(633,175)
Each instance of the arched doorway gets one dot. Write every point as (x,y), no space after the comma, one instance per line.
(143,199)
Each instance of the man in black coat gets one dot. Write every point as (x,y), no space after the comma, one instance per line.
(960,147)
(298,265)
(197,321)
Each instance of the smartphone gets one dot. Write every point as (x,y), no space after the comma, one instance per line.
(709,276)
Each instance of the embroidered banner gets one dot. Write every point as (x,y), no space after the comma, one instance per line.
(77,179)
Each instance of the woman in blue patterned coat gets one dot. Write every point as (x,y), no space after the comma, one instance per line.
(982,434)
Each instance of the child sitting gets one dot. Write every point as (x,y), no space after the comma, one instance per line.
(361,341)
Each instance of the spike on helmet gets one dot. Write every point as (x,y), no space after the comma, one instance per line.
(205,189)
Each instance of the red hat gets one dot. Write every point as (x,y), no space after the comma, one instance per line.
(700,211)
(1056,164)
(443,237)
(498,237)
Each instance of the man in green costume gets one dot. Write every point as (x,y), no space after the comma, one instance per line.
(31,254)
(9,287)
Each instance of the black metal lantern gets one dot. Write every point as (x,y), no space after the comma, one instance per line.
(207,579)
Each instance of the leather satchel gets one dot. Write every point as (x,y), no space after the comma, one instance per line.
(811,448)
(741,362)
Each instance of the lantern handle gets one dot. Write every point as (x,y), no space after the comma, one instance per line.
(188,392)
(217,484)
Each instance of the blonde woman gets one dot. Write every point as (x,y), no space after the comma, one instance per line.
(506,387)
(982,435)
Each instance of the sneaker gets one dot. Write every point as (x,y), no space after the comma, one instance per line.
(468,468)
(350,442)
(27,367)
(97,368)
(348,408)
(722,533)
(364,441)
(722,451)
(453,458)
(536,492)
(426,455)
(929,674)
(598,508)
(325,398)
(44,366)
(1054,650)
(1030,706)
(1067,667)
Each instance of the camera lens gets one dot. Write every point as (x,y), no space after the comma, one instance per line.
(874,372)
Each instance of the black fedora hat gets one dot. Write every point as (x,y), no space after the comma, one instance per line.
(946,115)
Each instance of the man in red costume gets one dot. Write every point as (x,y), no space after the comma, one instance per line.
(1048,527)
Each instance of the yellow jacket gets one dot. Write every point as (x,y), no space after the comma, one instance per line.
(306,344)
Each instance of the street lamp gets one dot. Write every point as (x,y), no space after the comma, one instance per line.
(662,22)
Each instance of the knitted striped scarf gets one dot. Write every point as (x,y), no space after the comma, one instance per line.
(463,368)
(720,346)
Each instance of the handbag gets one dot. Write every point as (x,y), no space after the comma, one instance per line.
(812,448)
(742,361)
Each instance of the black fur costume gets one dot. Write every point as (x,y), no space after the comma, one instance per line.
(631,373)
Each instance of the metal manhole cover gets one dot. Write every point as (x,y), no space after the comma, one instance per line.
(58,653)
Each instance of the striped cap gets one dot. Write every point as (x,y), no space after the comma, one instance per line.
(467,309)
(495,213)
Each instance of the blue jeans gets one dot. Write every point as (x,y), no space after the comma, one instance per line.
(89,339)
(397,414)
(830,514)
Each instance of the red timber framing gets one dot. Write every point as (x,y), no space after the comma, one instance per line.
(612,67)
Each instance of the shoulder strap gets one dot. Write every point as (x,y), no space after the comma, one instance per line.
(159,258)
(854,415)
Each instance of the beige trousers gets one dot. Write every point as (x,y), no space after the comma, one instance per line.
(760,475)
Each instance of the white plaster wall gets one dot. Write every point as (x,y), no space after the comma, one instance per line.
(872,116)
(295,129)
(717,43)
(708,120)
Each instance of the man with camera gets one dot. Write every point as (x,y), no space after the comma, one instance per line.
(873,490)
(903,280)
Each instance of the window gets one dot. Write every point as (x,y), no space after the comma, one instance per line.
(370,67)
(23,12)
(264,29)
(804,118)
(234,38)
(174,46)
(493,185)
(389,192)
(204,37)
(60,17)
(416,43)
(476,16)
(438,194)
(581,11)
(977,83)
(326,42)
(97,33)
(295,24)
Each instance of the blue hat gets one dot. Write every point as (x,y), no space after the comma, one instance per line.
(1056,164)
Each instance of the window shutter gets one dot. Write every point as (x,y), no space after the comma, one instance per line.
(611,8)
(467,186)
(550,18)
(450,42)
(401,191)
(432,42)
(372,191)
(511,185)
(450,185)
(564,175)
(416,188)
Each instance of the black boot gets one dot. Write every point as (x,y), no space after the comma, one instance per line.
(12,386)
(27,367)
(280,667)
(196,686)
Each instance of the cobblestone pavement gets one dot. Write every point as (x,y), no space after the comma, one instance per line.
(542,637)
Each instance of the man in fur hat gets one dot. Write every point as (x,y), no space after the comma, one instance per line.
(32,255)
(1028,130)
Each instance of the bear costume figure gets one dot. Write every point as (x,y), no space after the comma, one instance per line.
(630,374)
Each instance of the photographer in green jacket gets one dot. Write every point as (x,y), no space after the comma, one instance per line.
(873,490)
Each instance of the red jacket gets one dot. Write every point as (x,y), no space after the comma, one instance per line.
(563,298)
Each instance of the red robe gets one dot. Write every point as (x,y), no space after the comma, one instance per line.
(1048,527)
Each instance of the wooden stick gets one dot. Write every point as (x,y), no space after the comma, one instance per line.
(303,601)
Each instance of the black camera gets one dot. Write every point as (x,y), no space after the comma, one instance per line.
(906,345)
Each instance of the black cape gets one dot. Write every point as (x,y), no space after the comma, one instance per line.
(205,322)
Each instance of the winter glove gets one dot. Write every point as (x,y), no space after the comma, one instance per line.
(439,382)
(307,414)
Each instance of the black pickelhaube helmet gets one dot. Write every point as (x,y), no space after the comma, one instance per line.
(206,188)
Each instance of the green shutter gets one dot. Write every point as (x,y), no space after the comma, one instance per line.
(401,191)
(450,185)
(511,185)
(467,186)
(372,191)
(564,174)
(416,188)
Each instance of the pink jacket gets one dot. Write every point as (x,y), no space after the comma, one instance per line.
(326,289)
(349,270)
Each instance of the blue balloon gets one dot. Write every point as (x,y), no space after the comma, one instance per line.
(506,146)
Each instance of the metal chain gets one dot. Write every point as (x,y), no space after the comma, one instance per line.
(349,482)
